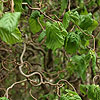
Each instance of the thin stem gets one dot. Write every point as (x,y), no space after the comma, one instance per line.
(94,78)
(12,6)
(39,9)
(89,36)
(40,23)
(69,5)
(32,95)
(6,94)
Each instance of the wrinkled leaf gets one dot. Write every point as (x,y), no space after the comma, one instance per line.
(9,21)
(74,16)
(92,91)
(72,42)
(66,20)
(11,38)
(80,64)
(34,24)
(42,35)
(87,23)
(64,4)
(18,5)
(8,28)
(35,14)
(55,35)
(70,95)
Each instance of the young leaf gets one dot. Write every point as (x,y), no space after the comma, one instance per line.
(3,98)
(74,16)
(66,20)
(70,95)
(9,21)
(34,24)
(87,23)
(93,25)
(92,91)
(55,35)
(9,32)
(83,89)
(93,58)
(72,39)
(18,5)
(80,64)
(35,14)
(42,35)
(81,3)
(11,38)
(98,2)
(64,4)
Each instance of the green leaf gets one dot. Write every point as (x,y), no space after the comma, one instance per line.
(93,57)
(72,39)
(66,20)
(11,38)
(71,16)
(81,3)
(80,64)
(70,95)
(93,25)
(84,11)
(9,21)
(35,14)
(87,23)
(64,4)
(83,89)
(34,24)
(18,5)
(92,91)
(98,2)
(84,39)
(91,3)
(74,16)
(63,98)
(3,98)
(42,35)
(8,28)
(55,35)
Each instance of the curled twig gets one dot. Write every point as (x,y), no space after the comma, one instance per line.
(39,9)
(30,6)
(63,80)
(6,94)
(40,23)
(32,95)
(87,35)
(94,78)
(4,66)
(58,88)
(22,63)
